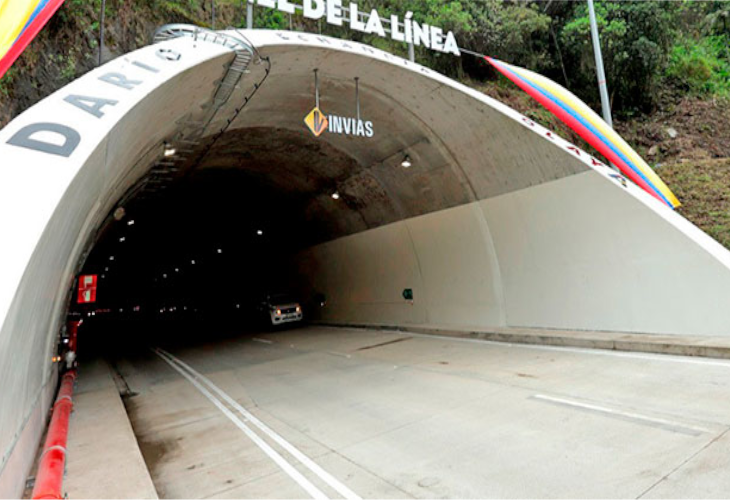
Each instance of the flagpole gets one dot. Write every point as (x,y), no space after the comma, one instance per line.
(602,88)
(102,15)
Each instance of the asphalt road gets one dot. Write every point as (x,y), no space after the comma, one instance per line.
(321,412)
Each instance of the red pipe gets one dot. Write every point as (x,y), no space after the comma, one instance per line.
(49,479)
(73,331)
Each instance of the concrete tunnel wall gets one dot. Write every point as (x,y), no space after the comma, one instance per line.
(539,235)
(532,258)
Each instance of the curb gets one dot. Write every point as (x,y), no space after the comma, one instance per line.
(705,347)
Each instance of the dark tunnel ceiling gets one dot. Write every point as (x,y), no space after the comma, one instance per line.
(279,181)
(301,171)
(190,221)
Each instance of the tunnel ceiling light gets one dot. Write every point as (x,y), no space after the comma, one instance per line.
(192,262)
(260,232)
(164,275)
(177,269)
(130,222)
(220,250)
(336,195)
(103,276)
(406,163)
(169,149)
(106,269)
(122,239)
(111,257)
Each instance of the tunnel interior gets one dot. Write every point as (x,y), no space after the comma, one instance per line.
(197,250)
(200,242)
(197,242)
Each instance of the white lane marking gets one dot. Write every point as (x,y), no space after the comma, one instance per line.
(296,453)
(263,341)
(670,358)
(690,429)
(280,461)
(340,354)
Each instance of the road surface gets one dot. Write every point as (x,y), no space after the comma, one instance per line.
(322,412)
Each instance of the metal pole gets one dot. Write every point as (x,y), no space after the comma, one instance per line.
(249,16)
(102,15)
(316,88)
(605,104)
(357,96)
(411,52)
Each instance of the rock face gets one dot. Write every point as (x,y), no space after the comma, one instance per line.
(653,151)
(672,133)
(68,46)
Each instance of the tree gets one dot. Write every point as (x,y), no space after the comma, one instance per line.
(635,39)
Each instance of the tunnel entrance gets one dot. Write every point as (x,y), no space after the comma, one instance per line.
(196,254)
(496,222)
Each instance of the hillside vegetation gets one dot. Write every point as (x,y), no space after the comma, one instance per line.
(667,66)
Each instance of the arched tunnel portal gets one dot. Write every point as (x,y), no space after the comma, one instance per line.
(498,222)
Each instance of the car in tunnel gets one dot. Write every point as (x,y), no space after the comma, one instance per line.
(280,308)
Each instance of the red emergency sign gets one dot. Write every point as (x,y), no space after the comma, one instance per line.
(87,289)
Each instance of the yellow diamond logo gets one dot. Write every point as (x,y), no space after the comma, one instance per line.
(317,122)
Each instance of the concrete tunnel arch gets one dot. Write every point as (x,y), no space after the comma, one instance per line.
(500,223)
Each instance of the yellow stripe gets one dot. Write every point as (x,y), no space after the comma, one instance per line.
(583,110)
(13,16)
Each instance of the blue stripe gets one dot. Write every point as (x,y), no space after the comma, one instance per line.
(35,13)
(595,132)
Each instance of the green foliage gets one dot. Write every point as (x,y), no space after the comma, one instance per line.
(271,19)
(649,46)
(717,17)
(701,66)
(7,81)
(635,38)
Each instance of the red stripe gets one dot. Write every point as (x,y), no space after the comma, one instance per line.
(28,35)
(580,129)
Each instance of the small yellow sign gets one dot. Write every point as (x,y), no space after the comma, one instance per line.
(317,122)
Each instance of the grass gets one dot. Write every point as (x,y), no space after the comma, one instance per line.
(703,186)
(702,66)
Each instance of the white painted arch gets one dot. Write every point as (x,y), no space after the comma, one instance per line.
(505,225)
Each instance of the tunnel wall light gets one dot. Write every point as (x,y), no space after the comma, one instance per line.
(169,150)
(130,222)
(220,250)
(336,196)
(406,163)
(260,232)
